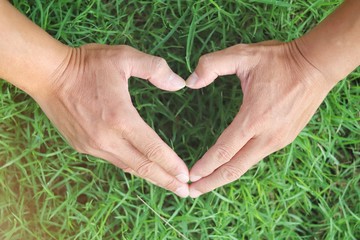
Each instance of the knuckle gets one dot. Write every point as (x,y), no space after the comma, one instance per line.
(123,49)
(80,149)
(290,139)
(85,147)
(204,61)
(122,53)
(112,118)
(173,168)
(158,63)
(241,46)
(145,168)
(94,138)
(277,144)
(155,152)
(238,49)
(125,130)
(231,173)
(279,139)
(254,126)
(94,144)
(223,153)
(171,185)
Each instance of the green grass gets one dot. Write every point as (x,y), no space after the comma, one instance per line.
(309,190)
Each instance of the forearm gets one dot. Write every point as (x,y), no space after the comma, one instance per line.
(28,55)
(334,45)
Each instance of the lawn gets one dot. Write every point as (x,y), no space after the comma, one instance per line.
(308,190)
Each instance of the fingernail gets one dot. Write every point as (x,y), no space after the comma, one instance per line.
(194,178)
(176,81)
(182,191)
(183,178)
(194,193)
(191,81)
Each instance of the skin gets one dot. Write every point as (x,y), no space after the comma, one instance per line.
(84,92)
(283,85)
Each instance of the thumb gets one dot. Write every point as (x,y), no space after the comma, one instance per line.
(154,69)
(212,65)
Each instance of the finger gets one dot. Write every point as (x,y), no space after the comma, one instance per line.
(148,170)
(212,65)
(113,160)
(249,155)
(268,43)
(220,63)
(118,163)
(154,69)
(153,148)
(235,136)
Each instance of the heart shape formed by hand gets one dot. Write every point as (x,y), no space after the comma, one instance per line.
(274,110)
(94,111)
(188,120)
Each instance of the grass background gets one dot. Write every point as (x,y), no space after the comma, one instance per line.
(309,190)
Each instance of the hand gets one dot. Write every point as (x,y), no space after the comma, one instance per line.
(88,101)
(282,90)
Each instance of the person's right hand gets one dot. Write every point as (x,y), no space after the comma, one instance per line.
(87,99)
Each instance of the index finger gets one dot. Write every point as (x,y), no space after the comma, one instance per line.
(235,136)
(155,69)
(145,139)
(212,65)
(249,155)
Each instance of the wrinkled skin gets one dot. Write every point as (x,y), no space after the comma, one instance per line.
(88,101)
(282,91)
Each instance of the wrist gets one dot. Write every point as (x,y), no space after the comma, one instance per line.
(333,47)
(321,58)
(306,72)
(40,80)
(28,55)
(36,77)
